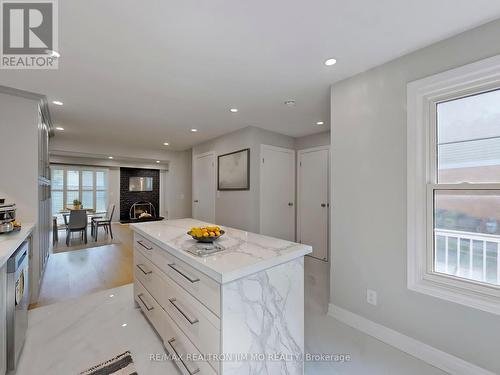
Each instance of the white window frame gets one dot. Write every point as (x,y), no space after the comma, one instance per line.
(422,98)
(80,190)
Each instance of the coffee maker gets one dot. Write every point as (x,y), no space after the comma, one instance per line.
(7,217)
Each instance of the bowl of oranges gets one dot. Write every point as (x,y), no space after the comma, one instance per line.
(206,234)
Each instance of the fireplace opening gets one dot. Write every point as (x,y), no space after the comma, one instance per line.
(142,211)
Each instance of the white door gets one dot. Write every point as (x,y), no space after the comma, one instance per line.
(313,202)
(204,187)
(277,192)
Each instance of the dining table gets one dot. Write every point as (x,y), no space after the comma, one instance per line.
(91,212)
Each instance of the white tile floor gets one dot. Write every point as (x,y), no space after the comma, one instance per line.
(324,334)
(68,337)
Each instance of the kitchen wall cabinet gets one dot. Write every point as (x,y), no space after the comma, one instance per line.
(3,319)
(44,194)
(26,128)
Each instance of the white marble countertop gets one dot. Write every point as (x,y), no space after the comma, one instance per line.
(9,242)
(244,253)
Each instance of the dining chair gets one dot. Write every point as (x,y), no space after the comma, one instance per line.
(94,218)
(77,223)
(104,222)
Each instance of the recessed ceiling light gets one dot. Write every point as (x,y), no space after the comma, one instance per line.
(53,53)
(59,128)
(110,157)
(194,130)
(57,102)
(320,123)
(111,295)
(165,143)
(157,161)
(330,62)
(290,103)
(124,324)
(234,110)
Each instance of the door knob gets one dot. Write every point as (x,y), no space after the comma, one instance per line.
(195,201)
(323,204)
(290,204)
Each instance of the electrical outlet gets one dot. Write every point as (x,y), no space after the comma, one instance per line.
(371,297)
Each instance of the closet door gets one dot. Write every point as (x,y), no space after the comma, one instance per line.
(277,192)
(204,187)
(313,200)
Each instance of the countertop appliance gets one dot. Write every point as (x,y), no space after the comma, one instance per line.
(7,217)
(18,298)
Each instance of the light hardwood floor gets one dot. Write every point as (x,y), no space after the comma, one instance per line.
(79,272)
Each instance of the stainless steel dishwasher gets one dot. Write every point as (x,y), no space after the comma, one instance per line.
(17,303)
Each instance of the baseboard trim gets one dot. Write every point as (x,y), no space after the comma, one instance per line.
(435,357)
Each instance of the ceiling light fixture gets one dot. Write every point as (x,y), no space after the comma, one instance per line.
(110,157)
(194,130)
(330,62)
(59,128)
(57,102)
(157,161)
(290,103)
(234,110)
(111,295)
(320,123)
(124,324)
(165,143)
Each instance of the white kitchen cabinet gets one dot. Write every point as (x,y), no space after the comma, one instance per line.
(3,318)
(26,125)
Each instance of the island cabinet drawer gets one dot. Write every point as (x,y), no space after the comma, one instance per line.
(149,275)
(187,358)
(200,286)
(143,271)
(197,322)
(149,307)
(144,245)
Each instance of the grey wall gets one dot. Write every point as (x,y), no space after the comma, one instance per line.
(240,209)
(369,203)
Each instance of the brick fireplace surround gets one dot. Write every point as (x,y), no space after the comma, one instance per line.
(128,198)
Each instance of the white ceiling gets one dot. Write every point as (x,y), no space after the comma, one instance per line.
(139,73)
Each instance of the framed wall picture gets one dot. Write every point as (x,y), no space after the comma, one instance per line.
(233,170)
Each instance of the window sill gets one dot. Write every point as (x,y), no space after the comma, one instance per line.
(468,293)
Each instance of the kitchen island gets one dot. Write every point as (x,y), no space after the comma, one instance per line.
(236,311)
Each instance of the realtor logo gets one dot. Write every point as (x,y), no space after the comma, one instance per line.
(29,34)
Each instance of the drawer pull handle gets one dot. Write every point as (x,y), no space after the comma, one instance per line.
(144,245)
(141,267)
(149,308)
(190,368)
(173,301)
(177,269)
